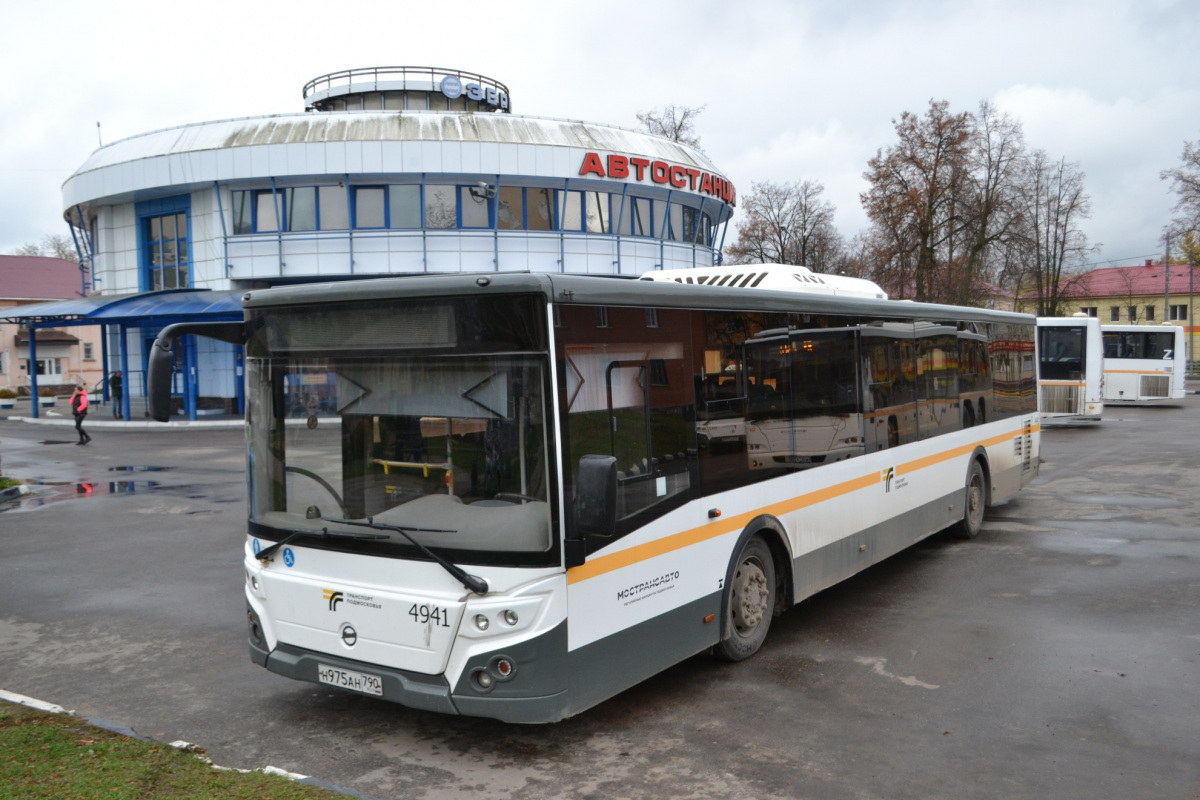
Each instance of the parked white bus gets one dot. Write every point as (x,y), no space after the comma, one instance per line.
(1070,369)
(487,494)
(1144,364)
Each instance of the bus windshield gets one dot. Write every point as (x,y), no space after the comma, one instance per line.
(452,447)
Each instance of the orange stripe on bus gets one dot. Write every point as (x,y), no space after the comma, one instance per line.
(643,552)
(1135,372)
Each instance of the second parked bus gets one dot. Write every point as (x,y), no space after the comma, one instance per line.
(1144,363)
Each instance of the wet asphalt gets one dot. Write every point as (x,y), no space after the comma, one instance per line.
(1057,655)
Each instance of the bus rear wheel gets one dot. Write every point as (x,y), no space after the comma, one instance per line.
(974,504)
(749,601)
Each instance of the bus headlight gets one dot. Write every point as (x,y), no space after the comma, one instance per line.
(481,622)
(511,617)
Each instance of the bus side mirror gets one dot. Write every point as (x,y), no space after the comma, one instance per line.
(158,379)
(596,496)
(162,359)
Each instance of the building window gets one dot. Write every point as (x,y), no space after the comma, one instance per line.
(1091,311)
(476,207)
(47,366)
(167,248)
(370,207)
(597,213)
(332,208)
(1114,313)
(243,216)
(1178,313)
(510,208)
(440,207)
(301,207)
(89,351)
(651,317)
(1149,313)
(570,210)
(295,208)
(539,205)
(1133,315)
(268,211)
(404,206)
(601,316)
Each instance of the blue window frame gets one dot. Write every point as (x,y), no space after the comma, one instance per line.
(163,243)
(412,206)
(292,208)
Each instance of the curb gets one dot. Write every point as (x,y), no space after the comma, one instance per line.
(187,747)
(132,426)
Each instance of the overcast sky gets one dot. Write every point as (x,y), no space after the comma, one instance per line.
(794,90)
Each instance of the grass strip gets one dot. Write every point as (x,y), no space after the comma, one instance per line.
(59,756)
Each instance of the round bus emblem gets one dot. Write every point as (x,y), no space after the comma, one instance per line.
(349,636)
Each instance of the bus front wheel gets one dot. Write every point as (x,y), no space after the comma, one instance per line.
(749,601)
(975,502)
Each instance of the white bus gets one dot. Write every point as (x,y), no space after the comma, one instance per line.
(1144,364)
(487,494)
(1070,369)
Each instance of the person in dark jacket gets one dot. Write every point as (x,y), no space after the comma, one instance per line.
(116,387)
(79,406)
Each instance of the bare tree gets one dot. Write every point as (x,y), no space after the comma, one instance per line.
(53,245)
(1185,183)
(917,201)
(677,123)
(993,212)
(1055,204)
(787,223)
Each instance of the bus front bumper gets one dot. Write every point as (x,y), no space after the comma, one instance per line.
(536,692)
(412,689)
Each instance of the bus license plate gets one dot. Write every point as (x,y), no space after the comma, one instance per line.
(348,679)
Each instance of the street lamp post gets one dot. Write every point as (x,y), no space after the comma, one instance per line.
(1167,283)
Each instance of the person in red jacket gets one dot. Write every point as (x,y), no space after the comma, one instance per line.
(79,405)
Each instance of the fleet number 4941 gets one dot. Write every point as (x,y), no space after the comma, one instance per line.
(424,612)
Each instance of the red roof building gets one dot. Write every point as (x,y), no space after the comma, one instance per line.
(64,358)
(1129,295)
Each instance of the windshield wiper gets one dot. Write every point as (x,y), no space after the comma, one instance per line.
(325,533)
(474,583)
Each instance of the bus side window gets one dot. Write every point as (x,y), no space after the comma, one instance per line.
(629,395)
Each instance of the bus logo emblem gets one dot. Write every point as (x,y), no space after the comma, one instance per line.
(886,476)
(333,597)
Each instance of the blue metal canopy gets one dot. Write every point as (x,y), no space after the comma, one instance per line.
(171,305)
(144,310)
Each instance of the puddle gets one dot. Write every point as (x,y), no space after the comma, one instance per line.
(138,469)
(46,492)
